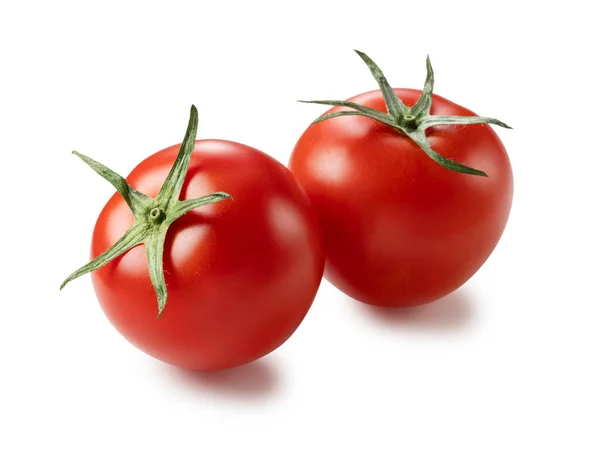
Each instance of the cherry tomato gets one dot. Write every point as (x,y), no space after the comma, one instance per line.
(399,229)
(241,274)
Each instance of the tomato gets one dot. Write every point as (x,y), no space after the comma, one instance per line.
(399,229)
(240,275)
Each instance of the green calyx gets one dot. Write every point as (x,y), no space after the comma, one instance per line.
(153,216)
(410,121)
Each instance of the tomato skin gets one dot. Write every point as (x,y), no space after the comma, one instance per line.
(241,274)
(398,229)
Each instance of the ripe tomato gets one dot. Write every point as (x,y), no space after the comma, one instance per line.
(399,229)
(240,275)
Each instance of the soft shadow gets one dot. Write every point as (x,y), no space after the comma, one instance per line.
(256,380)
(453,312)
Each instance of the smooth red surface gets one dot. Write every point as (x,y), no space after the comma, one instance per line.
(400,230)
(241,274)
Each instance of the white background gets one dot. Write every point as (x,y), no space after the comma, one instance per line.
(506,365)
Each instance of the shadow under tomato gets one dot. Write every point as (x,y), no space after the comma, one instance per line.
(453,312)
(257,380)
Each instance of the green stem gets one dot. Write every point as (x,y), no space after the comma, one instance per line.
(134,199)
(394,105)
(410,121)
(423,105)
(134,236)
(155,245)
(152,216)
(171,188)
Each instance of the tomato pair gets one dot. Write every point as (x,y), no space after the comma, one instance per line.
(387,191)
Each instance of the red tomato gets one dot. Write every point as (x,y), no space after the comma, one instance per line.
(241,274)
(398,228)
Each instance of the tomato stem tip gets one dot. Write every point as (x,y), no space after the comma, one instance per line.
(152,216)
(410,121)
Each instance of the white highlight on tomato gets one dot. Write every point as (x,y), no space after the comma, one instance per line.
(331,167)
